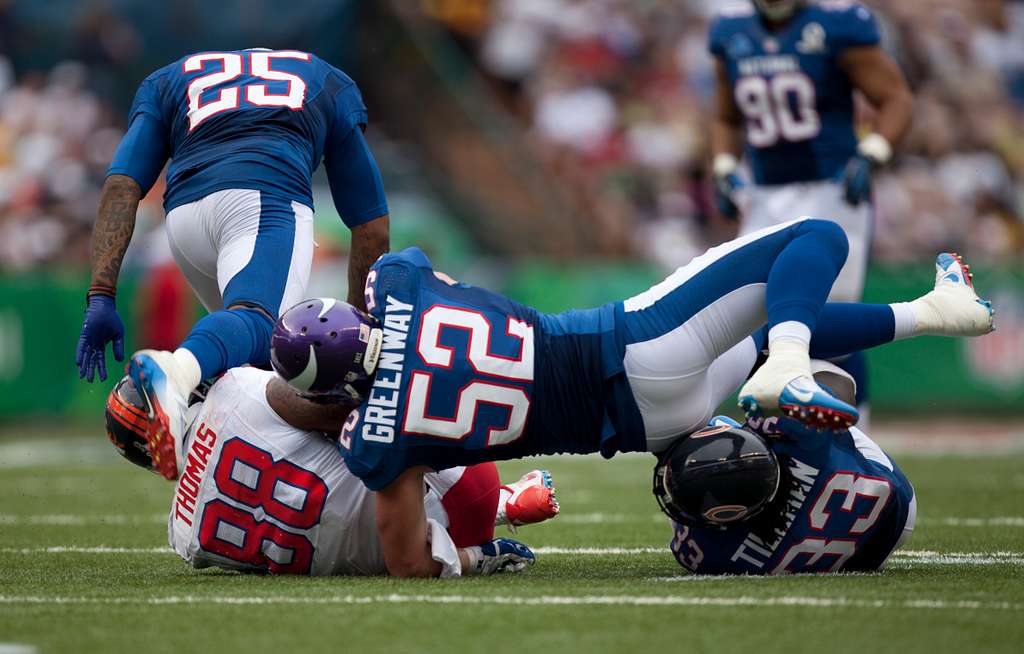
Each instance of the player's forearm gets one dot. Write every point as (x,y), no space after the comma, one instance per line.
(402,527)
(893,115)
(369,241)
(115,222)
(875,74)
(726,138)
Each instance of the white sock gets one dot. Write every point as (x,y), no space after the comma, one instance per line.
(790,330)
(906,320)
(789,347)
(188,365)
(503,496)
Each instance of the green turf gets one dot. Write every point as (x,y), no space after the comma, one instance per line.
(605,504)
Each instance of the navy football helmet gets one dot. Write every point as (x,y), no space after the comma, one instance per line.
(778,10)
(719,475)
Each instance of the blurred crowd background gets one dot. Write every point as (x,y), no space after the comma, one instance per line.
(556,150)
(611,96)
(618,95)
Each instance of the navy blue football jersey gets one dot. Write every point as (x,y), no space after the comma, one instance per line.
(251,119)
(796,100)
(842,505)
(465,375)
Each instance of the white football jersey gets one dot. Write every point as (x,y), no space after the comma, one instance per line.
(257,494)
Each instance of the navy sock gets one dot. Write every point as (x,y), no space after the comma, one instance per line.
(844,328)
(802,275)
(227,339)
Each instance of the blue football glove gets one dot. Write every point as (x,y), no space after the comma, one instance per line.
(857,179)
(101,326)
(499,555)
(726,187)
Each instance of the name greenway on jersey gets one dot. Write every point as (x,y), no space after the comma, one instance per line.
(381,407)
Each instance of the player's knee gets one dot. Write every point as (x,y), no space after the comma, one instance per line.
(831,236)
(260,326)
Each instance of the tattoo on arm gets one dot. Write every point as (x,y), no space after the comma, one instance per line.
(112,232)
(369,241)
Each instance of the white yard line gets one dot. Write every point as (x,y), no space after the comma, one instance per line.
(542,600)
(84,520)
(900,557)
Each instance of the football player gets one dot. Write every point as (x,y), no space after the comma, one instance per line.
(771,497)
(450,374)
(786,73)
(257,494)
(244,131)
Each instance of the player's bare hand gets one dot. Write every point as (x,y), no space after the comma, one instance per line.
(102,325)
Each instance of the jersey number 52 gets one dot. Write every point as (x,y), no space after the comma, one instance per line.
(484,389)
(231,66)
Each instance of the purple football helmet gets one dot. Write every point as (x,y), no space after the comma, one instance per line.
(327,350)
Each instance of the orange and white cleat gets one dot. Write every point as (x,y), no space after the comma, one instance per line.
(527,501)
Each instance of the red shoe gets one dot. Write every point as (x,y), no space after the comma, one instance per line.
(528,501)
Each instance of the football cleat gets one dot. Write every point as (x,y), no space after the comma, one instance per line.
(528,501)
(953,308)
(800,398)
(157,378)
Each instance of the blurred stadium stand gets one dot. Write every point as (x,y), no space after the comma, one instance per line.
(553,149)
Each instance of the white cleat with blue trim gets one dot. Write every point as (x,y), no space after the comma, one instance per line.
(800,398)
(952,308)
(157,378)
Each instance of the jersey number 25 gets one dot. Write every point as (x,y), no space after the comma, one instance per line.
(232,64)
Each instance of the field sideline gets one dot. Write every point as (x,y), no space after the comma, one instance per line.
(84,568)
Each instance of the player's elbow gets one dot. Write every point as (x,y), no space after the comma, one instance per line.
(122,186)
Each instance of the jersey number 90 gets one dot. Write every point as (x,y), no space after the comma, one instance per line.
(232,65)
(770,115)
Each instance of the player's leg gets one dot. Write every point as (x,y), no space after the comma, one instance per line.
(195,251)
(673,331)
(263,267)
(468,498)
(827,199)
(472,501)
(264,253)
(951,308)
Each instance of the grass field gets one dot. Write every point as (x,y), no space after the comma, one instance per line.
(84,568)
